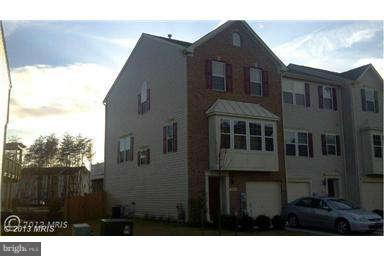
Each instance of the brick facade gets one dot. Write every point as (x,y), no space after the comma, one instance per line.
(199,99)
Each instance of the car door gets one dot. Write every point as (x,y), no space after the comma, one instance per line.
(304,211)
(322,214)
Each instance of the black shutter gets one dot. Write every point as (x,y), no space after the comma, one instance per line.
(323,144)
(334,98)
(265,80)
(174,137)
(363,100)
(321,99)
(148,152)
(247,80)
(138,158)
(131,155)
(307,96)
(208,73)
(310,144)
(338,145)
(228,77)
(376,102)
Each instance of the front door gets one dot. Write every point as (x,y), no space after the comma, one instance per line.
(214,198)
(333,187)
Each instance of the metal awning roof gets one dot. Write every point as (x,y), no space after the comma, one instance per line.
(240,109)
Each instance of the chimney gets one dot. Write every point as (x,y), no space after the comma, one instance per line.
(170,36)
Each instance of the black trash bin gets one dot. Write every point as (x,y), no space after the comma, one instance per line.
(116,227)
(117,211)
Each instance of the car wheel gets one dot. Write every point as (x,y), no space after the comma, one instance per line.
(293,221)
(343,227)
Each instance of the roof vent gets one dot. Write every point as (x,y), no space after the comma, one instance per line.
(170,36)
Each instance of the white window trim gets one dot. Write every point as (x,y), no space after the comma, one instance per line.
(366,99)
(294,91)
(330,87)
(221,133)
(248,146)
(220,75)
(297,142)
(373,145)
(233,39)
(255,136)
(256,82)
(326,143)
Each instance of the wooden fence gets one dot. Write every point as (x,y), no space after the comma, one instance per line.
(86,207)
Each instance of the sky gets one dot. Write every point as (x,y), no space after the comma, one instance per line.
(62,70)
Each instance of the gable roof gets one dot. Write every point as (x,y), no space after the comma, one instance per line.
(315,72)
(214,32)
(178,42)
(355,73)
(240,109)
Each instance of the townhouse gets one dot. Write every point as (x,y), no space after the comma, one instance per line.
(333,133)
(221,125)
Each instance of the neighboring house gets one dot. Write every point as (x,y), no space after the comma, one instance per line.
(97,177)
(334,133)
(221,122)
(188,121)
(12,166)
(43,186)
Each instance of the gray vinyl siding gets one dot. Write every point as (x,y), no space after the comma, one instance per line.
(158,187)
(316,121)
(362,124)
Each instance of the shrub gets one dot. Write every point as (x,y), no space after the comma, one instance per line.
(263,222)
(229,222)
(197,211)
(246,223)
(278,222)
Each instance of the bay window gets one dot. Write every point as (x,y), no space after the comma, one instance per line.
(240,135)
(255,137)
(268,138)
(225,134)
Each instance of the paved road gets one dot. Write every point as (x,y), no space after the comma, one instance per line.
(318,232)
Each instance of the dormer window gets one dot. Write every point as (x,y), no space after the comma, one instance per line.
(236,40)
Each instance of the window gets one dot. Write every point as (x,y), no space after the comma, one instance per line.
(290,143)
(302,139)
(255,136)
(377,146)
(218,75)
(240,138)
(297,142)
(236,40)
(330,141)
(170,138)
(125,149)
(294,93)
(143,157)
(256,81)
(370,99)
(327,97)
(305,202)
(143,99)
(225,137)
(268,130)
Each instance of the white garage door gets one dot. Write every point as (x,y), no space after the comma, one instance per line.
(297,189)
(372,195)
(263,198)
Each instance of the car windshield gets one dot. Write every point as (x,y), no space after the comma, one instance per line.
(340,204)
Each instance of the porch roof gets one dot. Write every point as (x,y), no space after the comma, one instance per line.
(240,109)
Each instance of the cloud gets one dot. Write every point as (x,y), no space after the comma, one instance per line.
(322,47)
(61,99)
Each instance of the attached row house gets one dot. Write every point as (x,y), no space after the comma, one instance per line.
(222,124)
